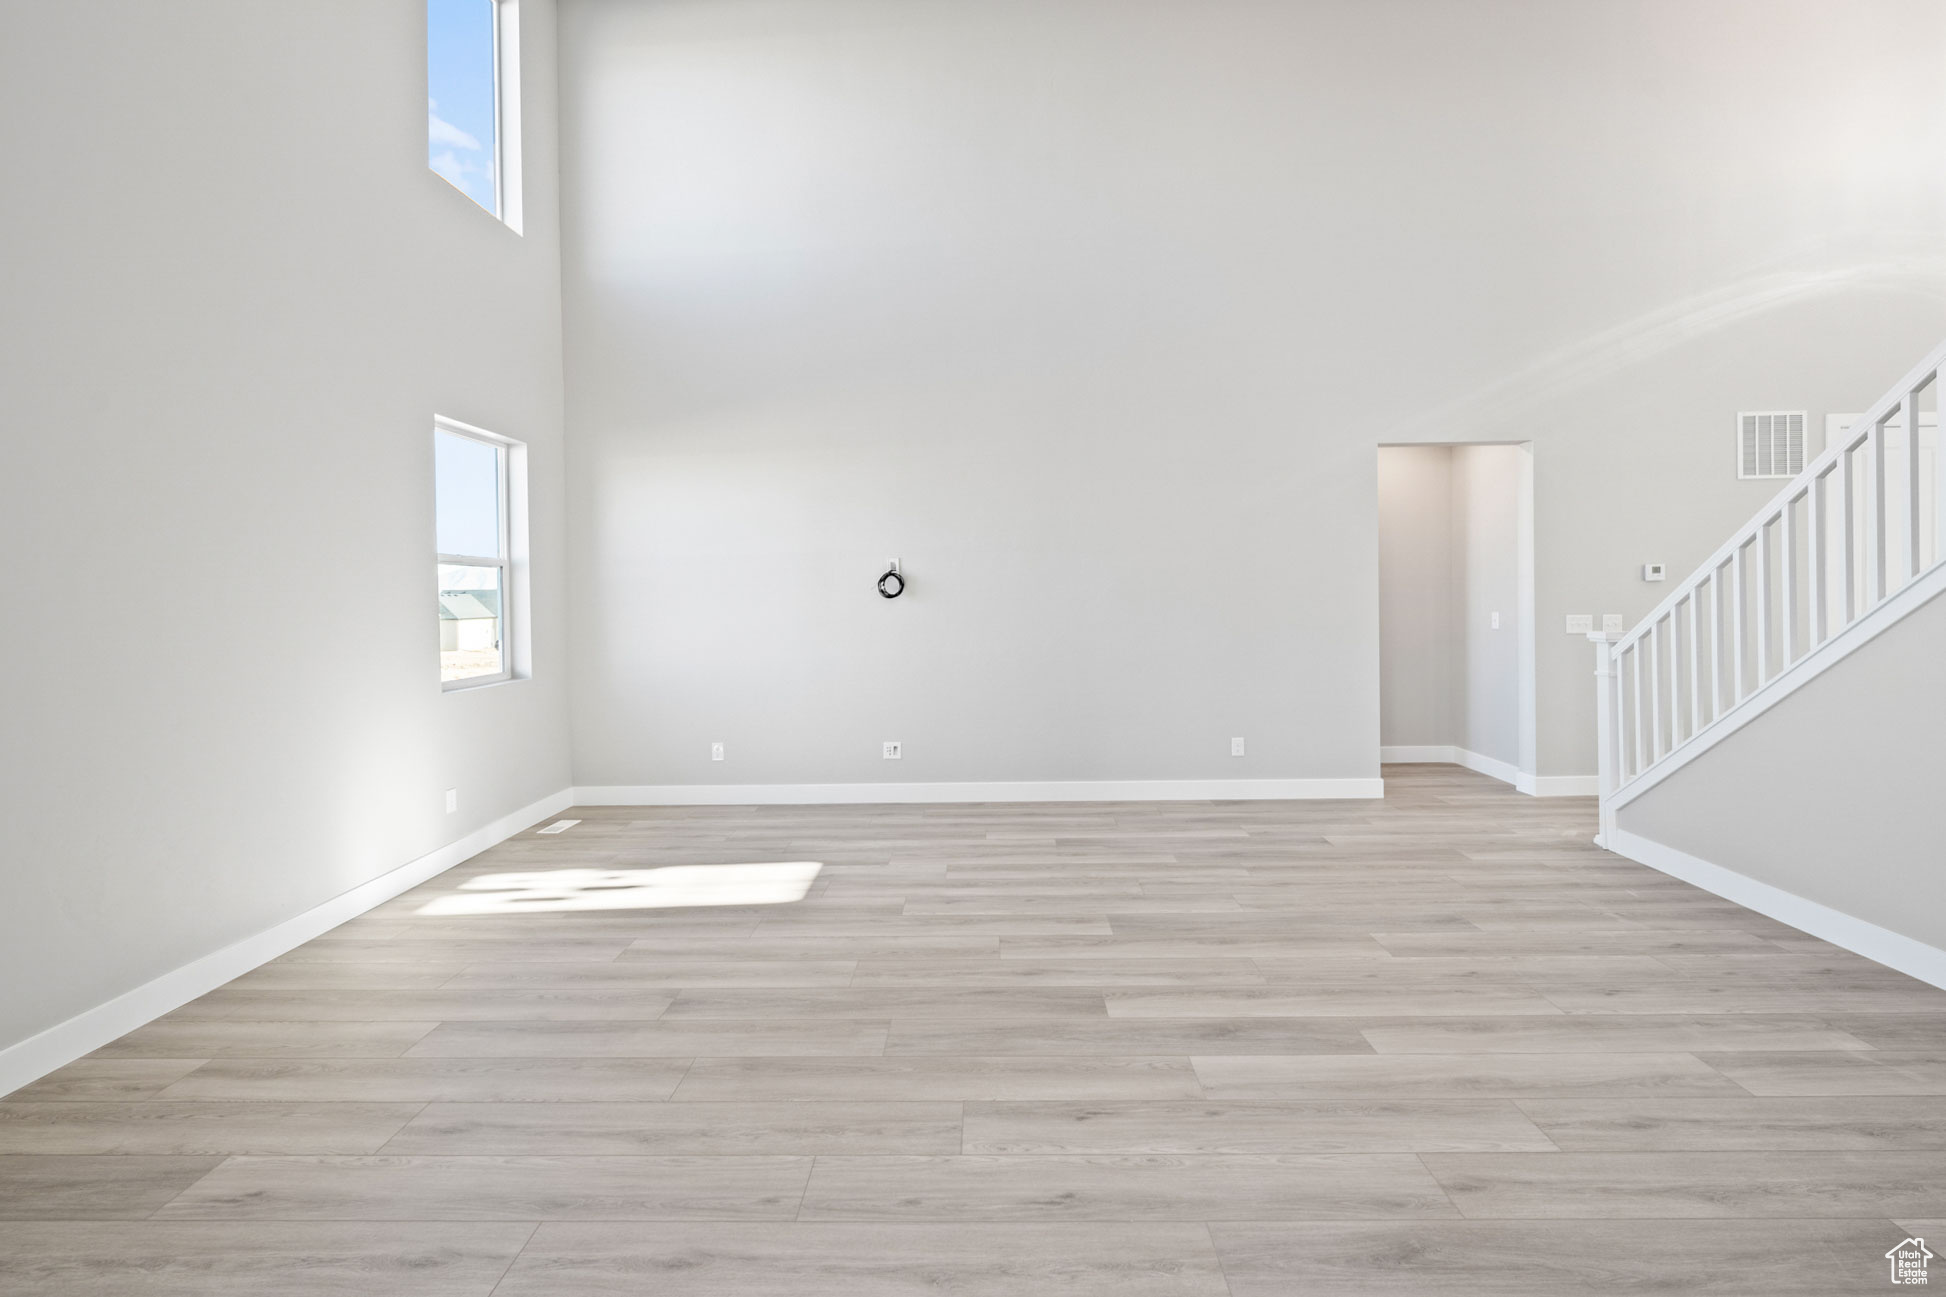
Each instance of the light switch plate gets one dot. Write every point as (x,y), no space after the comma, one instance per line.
(1611,623)
(1580,623)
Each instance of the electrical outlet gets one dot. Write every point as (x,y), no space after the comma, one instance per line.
(1496,620)
(1236,747)
(1611,623)
(716,752)
(452,800)
(1580,623)
(893,750)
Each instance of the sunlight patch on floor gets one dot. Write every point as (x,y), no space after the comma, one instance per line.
(671,887)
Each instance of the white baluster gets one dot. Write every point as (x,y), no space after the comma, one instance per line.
(1939,471)
(1787,586)
(1875,540)
(1763,602)
(1695,669)
(1716,642)
(1654,640)
(1608,756)
(1914,560)
(1848,539)
(1674,687)
(1737,602)
(1819,556)
(1635,690)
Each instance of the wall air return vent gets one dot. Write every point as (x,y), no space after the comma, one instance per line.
(1770,443)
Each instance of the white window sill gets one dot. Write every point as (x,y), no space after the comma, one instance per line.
(467,686)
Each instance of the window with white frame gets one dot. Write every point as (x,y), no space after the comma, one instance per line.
(473,509)
(472,100)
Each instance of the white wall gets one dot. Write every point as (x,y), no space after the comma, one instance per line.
(1419,672)
(1486,558)
(233,298)
(1095,312)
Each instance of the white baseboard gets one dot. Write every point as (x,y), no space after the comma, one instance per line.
(1446,754)
(1913,958)
(1505,772)
(1559,785)
(61,1044)
(1062,790)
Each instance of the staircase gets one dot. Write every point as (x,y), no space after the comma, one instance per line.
(1846,550)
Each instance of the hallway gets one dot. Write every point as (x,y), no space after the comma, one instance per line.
(1438,1044)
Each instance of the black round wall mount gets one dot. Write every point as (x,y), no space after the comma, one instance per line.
(891,585)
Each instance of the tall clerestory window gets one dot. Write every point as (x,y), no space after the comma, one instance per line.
(473,100)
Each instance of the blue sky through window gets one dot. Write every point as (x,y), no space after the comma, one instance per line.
(466,484)
(459,82)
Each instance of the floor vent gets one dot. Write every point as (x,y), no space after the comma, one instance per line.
(559,826)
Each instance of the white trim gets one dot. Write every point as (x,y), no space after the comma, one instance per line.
(1913,958)
(1532,785)
(1492,767)
(1559,785)
(499,130)
(1451,755)
(61,1044)
(1908,599)
(1054,790)
(1526,655)
(507,181)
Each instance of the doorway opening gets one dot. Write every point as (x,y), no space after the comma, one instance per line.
(1456,607)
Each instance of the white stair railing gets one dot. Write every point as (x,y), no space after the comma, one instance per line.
(1861,523)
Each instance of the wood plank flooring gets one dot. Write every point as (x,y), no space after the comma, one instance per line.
(1438,1044)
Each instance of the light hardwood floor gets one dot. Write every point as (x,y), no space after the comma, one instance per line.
(1431,1046)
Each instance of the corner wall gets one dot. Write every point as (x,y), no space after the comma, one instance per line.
(233,299)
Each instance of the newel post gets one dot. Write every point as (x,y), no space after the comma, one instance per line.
(1608,731)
